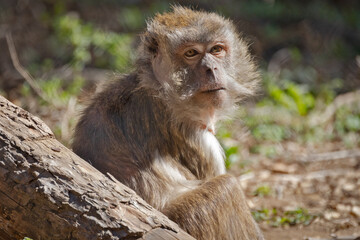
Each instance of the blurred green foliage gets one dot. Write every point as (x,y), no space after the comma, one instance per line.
(262,191)
(292,96)
(275,219)
(131,19)
(347,120)
(286,112)
(314,40)
(56,90)
(108,49)
(231,155)
(271,132)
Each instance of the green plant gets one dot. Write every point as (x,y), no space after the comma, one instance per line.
(275,219)
(270,132)
(58,92)
(292,96)
(262,191)
(231,155)
(347,120)
(91,44)
(297,216)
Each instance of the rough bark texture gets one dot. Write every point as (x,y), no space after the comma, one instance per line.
(48,192)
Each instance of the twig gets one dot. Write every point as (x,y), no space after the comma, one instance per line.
(336,238)
(28,78)
(330,156)
(313,175)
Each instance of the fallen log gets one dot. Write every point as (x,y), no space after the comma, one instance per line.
(48,192)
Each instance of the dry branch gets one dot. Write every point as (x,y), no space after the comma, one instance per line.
(25,74)
(327,156)
(48,192)
(337,238)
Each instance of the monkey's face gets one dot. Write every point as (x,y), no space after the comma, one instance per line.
(201,77)
(197,62)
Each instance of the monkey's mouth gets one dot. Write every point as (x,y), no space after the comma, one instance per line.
(213,90)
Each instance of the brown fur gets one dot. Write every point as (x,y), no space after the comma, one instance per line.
(146,128)
(171,20)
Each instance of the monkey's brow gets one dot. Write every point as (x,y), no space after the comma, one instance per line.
(189,44)
(192,43)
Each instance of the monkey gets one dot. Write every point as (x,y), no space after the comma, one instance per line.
(154,129)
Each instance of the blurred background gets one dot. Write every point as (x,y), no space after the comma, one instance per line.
(296,145)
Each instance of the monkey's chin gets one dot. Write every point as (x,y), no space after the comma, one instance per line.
(212,98)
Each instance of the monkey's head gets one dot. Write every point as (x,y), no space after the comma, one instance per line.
(197,62)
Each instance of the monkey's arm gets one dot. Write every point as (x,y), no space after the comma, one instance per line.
(218,202)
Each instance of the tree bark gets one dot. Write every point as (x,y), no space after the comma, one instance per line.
(48,192)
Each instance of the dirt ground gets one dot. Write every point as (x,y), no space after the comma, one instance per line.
(327,185)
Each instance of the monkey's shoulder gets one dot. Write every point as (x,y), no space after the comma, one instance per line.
(125,93)
(115,93)
(104,111)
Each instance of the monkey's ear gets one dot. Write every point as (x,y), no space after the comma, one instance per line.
(150,43)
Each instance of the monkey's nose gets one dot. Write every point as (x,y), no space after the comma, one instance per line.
(211,69)
(210,72)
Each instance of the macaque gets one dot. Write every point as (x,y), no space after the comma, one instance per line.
(153,129)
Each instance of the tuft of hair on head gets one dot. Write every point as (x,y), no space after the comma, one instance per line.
(179,17)
(181,23)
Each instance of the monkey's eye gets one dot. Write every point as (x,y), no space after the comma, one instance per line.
(191,53)
(216,49)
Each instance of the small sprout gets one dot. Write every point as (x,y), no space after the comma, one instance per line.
(275,219)
(299,216)
(261,215)
(262,191)
(231,154)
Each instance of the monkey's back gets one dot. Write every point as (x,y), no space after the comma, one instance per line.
(107,134)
